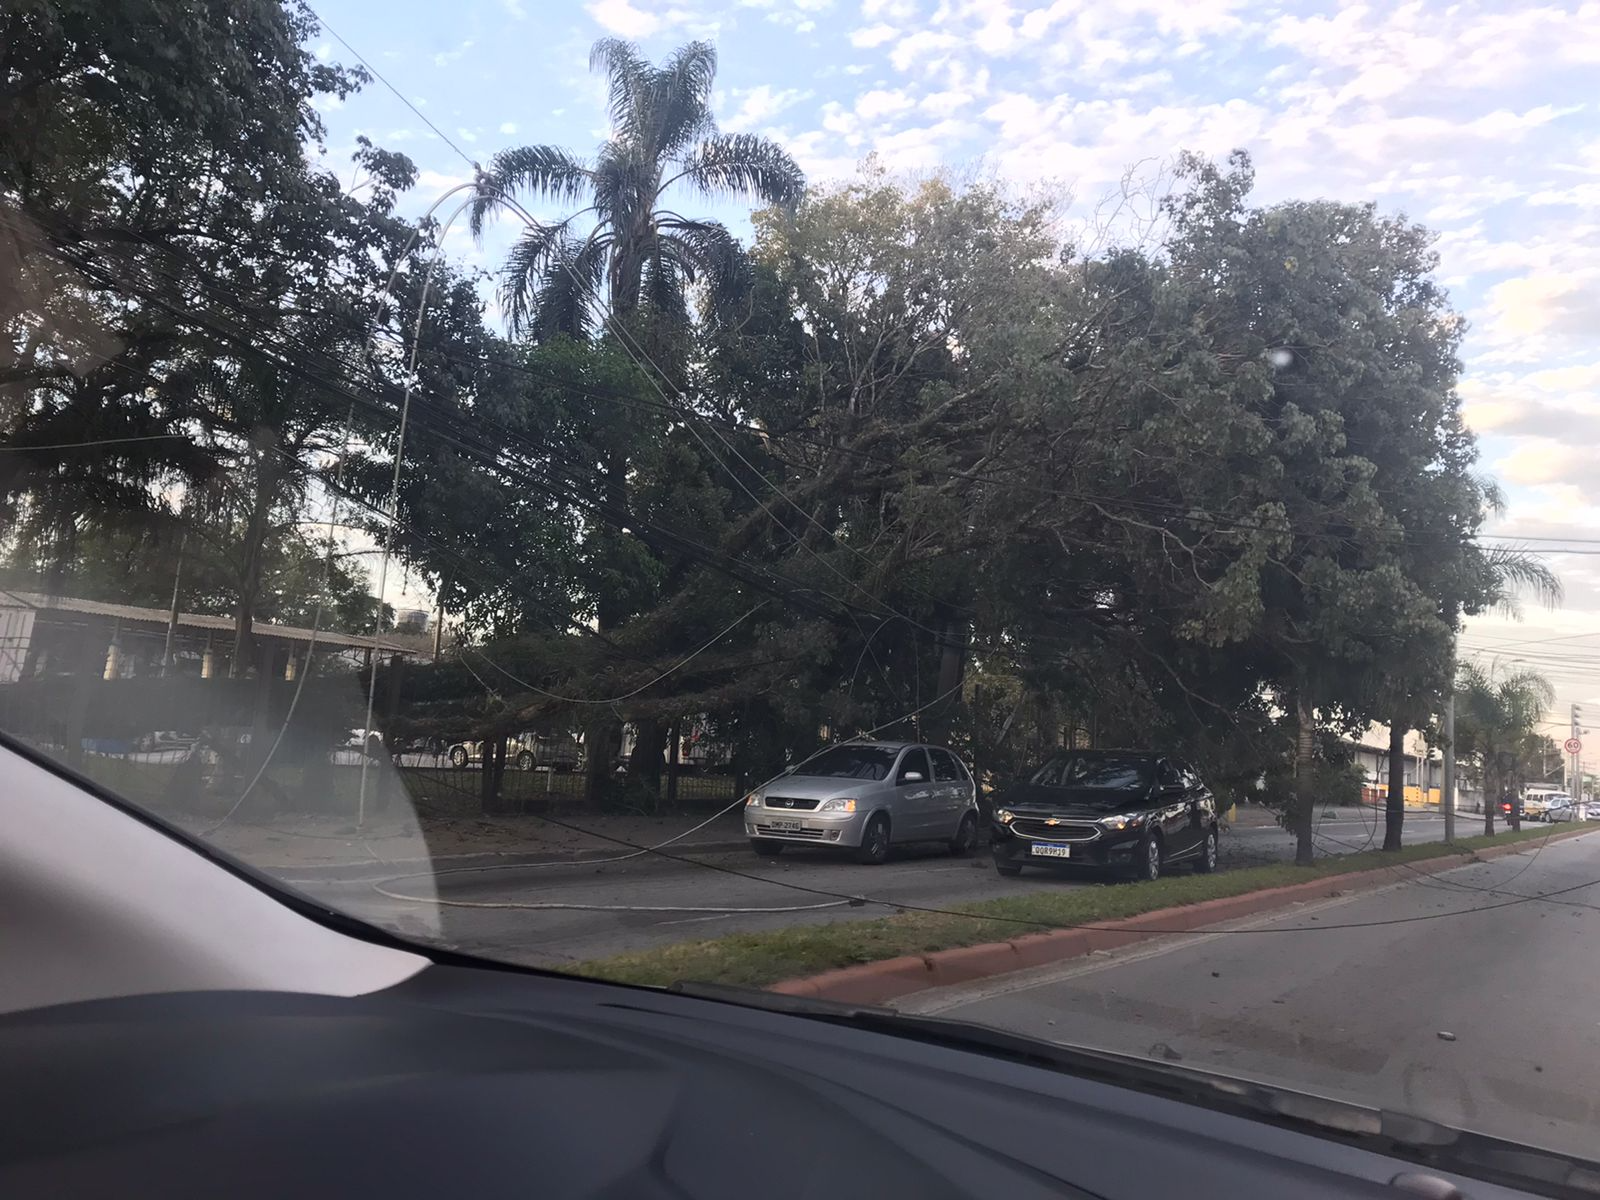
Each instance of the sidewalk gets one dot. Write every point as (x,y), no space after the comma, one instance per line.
(313,846)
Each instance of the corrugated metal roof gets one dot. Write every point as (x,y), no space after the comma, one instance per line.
(40,602)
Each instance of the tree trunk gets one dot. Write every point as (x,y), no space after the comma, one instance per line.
(1491,794)
(1394,809)
(1300,800)
(644,765)
(674,743)
(952,667)
(492,773)
(599,744)
(604,735)
(250,576)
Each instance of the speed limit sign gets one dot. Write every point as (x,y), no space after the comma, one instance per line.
(1572,745)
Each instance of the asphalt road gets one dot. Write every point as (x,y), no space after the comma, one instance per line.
(521,913)
(1304,1000)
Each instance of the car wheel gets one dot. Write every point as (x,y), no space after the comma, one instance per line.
(458,756)
(766,847)
(1208,854)
(1008,869)
(1148,867)
(525,761)
(874,846)
(966,837)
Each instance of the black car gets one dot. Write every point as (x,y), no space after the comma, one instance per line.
(1128,809)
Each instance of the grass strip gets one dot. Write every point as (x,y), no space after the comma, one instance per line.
(760,958)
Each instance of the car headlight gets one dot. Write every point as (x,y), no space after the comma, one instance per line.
(753,800)
(1123,821)
(838,804)
(1004,815)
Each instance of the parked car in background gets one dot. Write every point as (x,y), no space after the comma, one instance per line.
(867,796)
(524,752)
(1131,810)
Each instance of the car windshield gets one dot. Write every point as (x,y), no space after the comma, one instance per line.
(1118,773)
(851,762)
(456,464)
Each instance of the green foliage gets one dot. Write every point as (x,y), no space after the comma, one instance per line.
(907,463)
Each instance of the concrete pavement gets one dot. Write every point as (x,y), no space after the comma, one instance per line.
(1353,997)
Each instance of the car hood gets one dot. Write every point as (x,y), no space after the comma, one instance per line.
(817,787)
(1074,801)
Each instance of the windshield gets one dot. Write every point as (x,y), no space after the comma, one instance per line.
(851,762)
(1096,771)
(387,504)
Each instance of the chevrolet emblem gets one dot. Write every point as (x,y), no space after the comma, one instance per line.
(1052,821)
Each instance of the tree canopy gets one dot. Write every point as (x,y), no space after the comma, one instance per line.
(908,461)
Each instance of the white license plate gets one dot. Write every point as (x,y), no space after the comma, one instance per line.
(1051,850)
(786,824)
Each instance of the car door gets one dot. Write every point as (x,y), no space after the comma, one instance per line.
(950,792)
(1202,805)
(1172,794)
(911,808)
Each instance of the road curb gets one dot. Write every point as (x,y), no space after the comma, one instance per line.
(379,869)
(877,982)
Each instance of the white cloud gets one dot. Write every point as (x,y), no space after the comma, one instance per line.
(324,51)
(920,44)
(515,9)
(467,135)
(880,103)
(445,58)
(437,181)
(630,21)
(943,104)
(1542,460)
(1545,311)
(508,127)
(869,36)
(758,105)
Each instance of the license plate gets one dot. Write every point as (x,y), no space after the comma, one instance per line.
(786,824)
(1051,850)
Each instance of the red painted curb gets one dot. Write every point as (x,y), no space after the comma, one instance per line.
(876,982)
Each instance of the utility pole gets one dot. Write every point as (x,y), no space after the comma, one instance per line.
(1447,800)
(1577,780)
(172,615)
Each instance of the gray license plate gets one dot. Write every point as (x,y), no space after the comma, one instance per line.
(1051,850)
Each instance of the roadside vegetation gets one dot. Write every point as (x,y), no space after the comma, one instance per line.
(918,457)
(759,959)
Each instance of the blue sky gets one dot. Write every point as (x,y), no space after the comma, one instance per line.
(1477,119)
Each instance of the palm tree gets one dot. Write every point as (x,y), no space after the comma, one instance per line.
(1497,718)
(626,249)
(626,257)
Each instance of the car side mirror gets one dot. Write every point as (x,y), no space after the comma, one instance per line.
(911,777)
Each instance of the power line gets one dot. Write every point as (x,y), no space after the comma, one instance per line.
(379,76)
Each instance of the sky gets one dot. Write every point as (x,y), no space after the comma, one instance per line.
(1478,120)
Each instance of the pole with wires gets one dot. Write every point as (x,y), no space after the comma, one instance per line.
(394,502)
(1447,799)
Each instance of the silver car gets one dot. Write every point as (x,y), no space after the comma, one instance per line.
(866,796)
